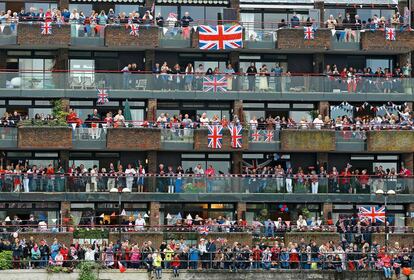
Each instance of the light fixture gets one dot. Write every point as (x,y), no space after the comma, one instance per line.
(390,192)
(379,192)
(114,190)
(126,190)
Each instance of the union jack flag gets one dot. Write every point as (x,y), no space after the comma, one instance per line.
(390,34)
(134,29)
(214,83)
(220,37)
(236,136)
(102,96)
(309,33)
(203,230)
(46,28)
(372,214)
(215,136)
(269,136)
(256,135)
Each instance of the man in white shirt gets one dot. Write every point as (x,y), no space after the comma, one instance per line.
(203,119)
(198,170)
(318,122)
(94,174)
(301,223)
(139,223)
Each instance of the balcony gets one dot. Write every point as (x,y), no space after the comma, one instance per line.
(222,184)
(8,137)
(8,34)
(342,40)
(177,139)
(350,141)
(85,35)
(83,84)
(264,140)
(174,37)
(92,138)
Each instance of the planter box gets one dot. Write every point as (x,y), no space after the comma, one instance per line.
(390,141)
(307,140)
(133,139)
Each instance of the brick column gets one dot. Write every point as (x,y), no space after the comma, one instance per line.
(64,210)
(148,5)
(154,216)
(323,108)
(149,60)
(61,63)
(63,4)
(410,221)
(152,161)
(238,110)
(318,61)
(234,60)
(327,211)
(152,110)
(237,158)
(322,160)
(407,160)
(64,159)
(235,4)
(241,210)
(320,5)
(404,58)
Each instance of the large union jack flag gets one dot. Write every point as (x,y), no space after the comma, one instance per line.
(236,136)
(46,28)
(220,37)
(269,136)
(390,34)
(215,136)
(309,33)
(102,96)
(372,214)
(214,83)
(134,29)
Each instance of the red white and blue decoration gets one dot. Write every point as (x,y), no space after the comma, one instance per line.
(256,135)
(134,29)
(215,83)
(309,33)
(269,136)
(236,136)
(372,214)
(203,230)
(46,28)
(215,136)
(103,96)
(390,34)
(220,37)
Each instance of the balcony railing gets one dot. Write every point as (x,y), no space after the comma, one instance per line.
(8,34)
(249,183)
(211,84)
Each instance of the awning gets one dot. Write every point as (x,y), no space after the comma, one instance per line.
(109,1)
(195,2)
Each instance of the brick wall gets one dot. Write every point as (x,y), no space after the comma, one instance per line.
(133,139)
(44,138)
(390,141)
(319,237)
(29,35)
(244,238)
(152,110)
(154,215)
(376,41)
(294,39)
(404,239)
(201,140)
(194,39)
(118,36)
(308,140)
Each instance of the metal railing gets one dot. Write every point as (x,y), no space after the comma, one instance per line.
(249,183)
(194,83)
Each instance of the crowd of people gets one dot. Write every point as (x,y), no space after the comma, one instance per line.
(209,253)
(22,177)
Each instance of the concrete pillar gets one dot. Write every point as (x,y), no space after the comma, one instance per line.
(238,110)
(152,110)
(404,58)
(3,65)
(323,108)
(241,210)
(320,5)
(149,59)
(407,160)
(327,212)
(148,5)
(235,4)
(154,215)
(64,159)
(63,4)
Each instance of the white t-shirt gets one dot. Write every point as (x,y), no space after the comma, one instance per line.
(139,224)
(130,172)
(318,123)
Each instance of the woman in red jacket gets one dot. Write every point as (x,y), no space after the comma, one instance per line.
(386,266)
(176,265)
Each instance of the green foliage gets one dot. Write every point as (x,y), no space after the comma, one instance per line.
(59,269)
(88,271)
(59,114)
(305,213)
(6,260)
(58,110)
(91,233)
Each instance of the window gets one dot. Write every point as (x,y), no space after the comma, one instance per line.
(85,8)
(125,9)
(40,77)
(271,20)
(82,72)
(165,10)
(41,111)
(196,12)
(38,6)
(365,14)
(213,12)
(335,13)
